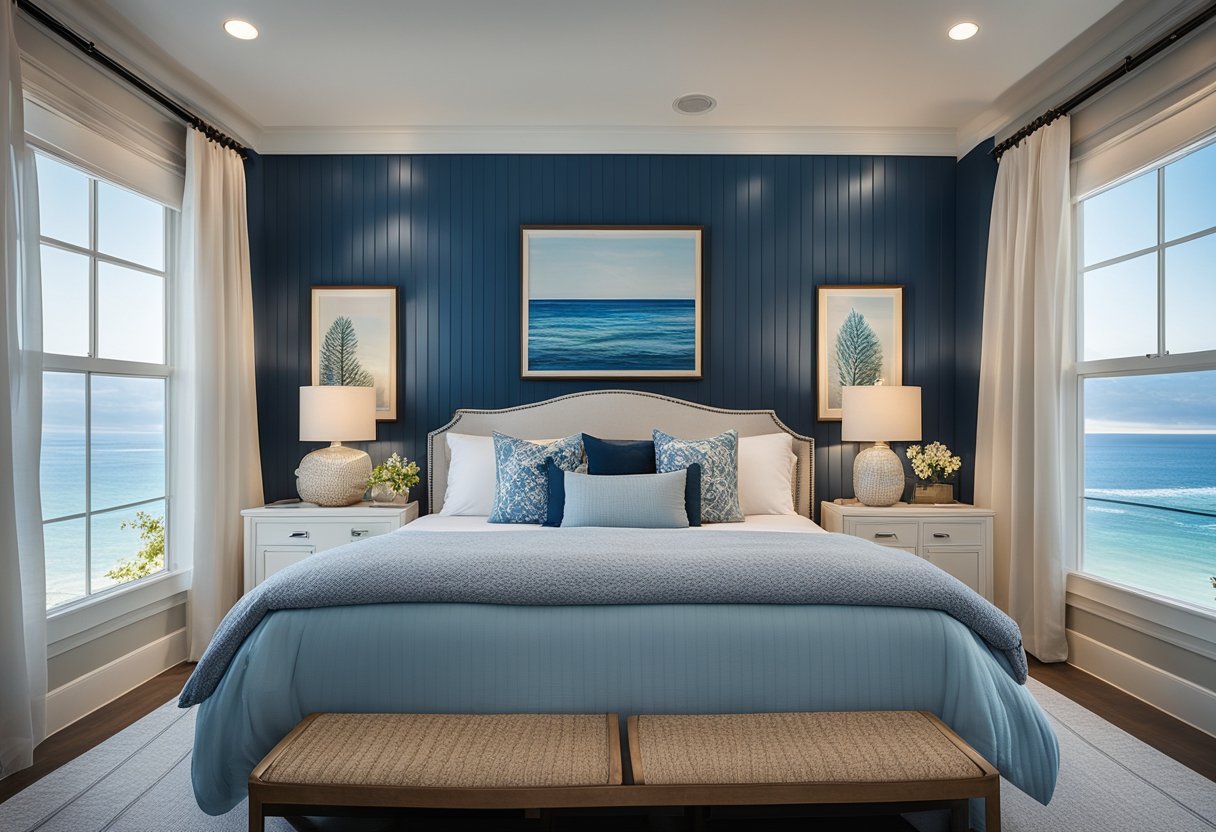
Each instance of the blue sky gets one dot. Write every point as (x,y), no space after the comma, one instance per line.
(1175,403)
(617,265)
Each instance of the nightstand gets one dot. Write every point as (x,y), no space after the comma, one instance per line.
(275,538)
(957,539)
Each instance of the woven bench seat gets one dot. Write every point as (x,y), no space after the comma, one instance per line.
(347,761)
(894,757)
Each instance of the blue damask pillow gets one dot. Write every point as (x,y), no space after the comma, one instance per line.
(520,486)
(719,460)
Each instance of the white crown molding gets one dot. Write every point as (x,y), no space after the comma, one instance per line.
(1131,26)
(892,141)
(98,22)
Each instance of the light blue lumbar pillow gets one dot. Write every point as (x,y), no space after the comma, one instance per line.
(719,460)
(521,492)
(635,501)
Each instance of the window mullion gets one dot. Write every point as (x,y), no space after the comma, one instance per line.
(88,484)
(1161,350)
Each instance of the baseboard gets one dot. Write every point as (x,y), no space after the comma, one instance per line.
(1180,698)
(80,697)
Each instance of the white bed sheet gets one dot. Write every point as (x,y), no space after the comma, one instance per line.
(751,523)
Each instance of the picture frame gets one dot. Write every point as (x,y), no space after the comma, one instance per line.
(370,327)
(611,302)
(872,343)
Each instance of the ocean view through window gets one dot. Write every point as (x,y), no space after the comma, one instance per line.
(1147,380)
(105,267)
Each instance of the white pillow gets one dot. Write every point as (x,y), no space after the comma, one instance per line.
(471,475)
(766,474)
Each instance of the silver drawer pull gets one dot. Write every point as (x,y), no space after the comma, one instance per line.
(941,535)
(885,534)
(303,535)
(358,532)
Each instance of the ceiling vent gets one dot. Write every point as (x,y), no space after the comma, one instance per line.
(694,104)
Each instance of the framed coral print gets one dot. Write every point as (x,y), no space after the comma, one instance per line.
(860,341)
(354,341)
(611,301)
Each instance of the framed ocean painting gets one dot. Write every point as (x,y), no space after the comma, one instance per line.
(354,341)
(860,341)
(611,301)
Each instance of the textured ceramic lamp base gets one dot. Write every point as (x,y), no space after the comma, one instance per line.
(878,476)
(333,476)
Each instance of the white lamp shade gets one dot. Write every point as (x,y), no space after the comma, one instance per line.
(880,414)
(337,414)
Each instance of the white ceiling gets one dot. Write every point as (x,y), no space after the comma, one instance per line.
(377,66)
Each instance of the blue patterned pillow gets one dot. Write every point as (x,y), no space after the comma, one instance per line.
(719,460)
(520,489)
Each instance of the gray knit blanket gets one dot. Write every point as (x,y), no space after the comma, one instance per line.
(595,566)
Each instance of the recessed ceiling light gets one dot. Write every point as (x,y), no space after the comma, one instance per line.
(694,104)
(241,29)
(964,30)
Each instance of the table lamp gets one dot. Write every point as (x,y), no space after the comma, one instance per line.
(879,414)
(337,475)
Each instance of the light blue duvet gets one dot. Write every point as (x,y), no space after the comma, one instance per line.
(612,657)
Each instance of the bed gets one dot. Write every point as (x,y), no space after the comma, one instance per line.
(623,647)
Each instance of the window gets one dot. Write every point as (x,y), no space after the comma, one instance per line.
(1147,376)
(105,286)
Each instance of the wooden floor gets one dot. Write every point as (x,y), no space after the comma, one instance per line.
(1187,745)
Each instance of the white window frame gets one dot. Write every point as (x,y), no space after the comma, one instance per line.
(1171,619)
(97,613)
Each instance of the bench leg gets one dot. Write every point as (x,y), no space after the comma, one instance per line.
(992,810)
(960,815)
(257,820)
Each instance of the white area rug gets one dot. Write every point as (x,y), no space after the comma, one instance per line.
(139,781)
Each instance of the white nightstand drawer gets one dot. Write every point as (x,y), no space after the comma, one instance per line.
(362,531)
(288,534)
(902,535)
(952,533)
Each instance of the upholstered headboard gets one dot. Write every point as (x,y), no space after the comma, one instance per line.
(616,414)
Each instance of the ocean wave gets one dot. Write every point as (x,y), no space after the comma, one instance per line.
(1105,510)
(1205,491)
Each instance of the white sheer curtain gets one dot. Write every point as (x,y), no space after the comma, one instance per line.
(217,471)
(22,575)
(1026,420)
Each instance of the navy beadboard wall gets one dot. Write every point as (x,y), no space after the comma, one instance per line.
(445,230)
(974,184)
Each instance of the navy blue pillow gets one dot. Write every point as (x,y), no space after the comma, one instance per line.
(608,457)
(557,493)
(556,480)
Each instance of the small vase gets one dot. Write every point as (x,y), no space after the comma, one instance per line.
(383,495)
(933,492)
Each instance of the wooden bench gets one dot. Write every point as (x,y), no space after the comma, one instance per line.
(342,763)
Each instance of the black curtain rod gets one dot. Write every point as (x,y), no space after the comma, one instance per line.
(1129,64)
(89,48)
